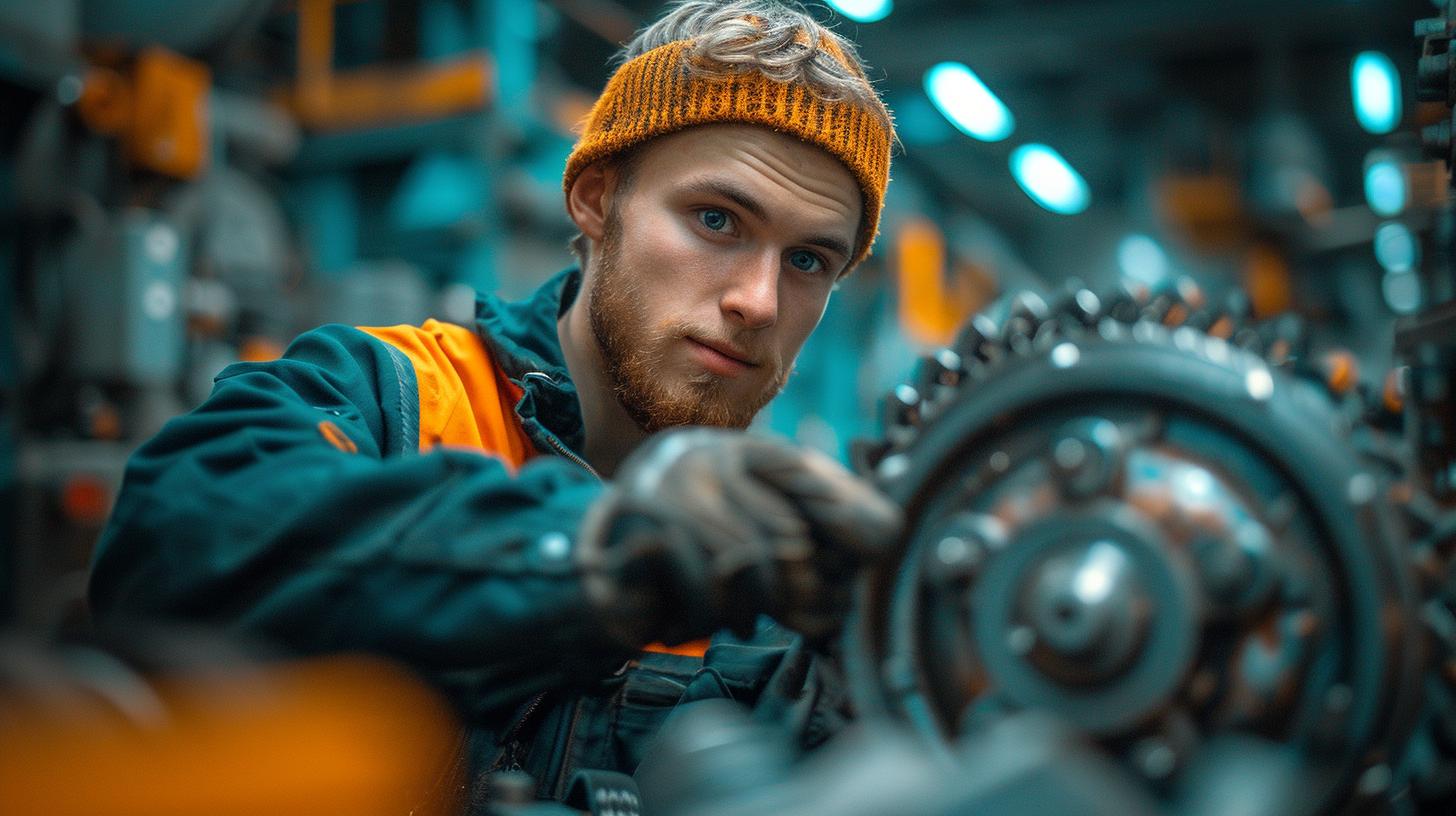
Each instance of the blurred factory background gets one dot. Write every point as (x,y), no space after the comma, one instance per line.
(188,184)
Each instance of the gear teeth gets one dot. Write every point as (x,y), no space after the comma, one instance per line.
(1339,372)
(1074,311)
(1126,303)
(1285,340)
(1025,316)
(1248,339)
(1203,319)
(902,414)
(1176,304)
(979,340)
(1083,307)
(938,377)
(1190,294)
(1392,392)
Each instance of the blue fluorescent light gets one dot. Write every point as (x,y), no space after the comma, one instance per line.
(1049,180)
(1402,292)
(1376,88)
(966,101)
(1385,187)
(1396,248)
(863,11)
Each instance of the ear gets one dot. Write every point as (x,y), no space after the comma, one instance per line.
(586,203)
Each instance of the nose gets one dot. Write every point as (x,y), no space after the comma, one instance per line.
(751,298)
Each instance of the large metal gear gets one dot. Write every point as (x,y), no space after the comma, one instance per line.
(1174,530)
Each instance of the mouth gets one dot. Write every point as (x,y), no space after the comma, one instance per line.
(720,359)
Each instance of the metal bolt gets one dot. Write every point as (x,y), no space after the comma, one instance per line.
(1362,489)
(999,462)
(1088,305)
(1155,757)
(959,559)
(1069,454)
(1259,383)
(1065,355)
(976,340)
(1021,640)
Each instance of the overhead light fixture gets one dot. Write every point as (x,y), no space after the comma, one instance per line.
(1402,291)
(1049,179)
(965,100)
(1385,188)
(863,11)
(1142,259)
(1375,86)
(1396,248)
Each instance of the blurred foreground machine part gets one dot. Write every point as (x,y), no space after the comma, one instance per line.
(175,724)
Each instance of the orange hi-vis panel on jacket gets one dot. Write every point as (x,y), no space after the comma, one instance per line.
(465,400)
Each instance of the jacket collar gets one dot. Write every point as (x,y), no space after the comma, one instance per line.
(522,336)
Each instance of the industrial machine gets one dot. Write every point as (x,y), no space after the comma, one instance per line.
(1160,558)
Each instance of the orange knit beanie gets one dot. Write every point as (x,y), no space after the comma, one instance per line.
(659,92)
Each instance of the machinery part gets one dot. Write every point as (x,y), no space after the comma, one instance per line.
(125,284)
(1159,536)
(712,759)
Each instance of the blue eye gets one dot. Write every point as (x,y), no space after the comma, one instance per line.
(805,261)
(715,220)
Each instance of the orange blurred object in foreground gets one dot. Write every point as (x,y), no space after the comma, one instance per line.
(336,736)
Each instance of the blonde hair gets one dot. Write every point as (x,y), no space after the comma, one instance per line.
(780,40)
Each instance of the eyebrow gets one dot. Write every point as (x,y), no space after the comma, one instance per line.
(714,187)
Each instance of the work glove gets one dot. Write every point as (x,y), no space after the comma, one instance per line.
(705,529)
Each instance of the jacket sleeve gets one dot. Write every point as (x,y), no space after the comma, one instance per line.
(253,513)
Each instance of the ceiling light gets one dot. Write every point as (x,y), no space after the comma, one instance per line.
(1395,247)
(1385,190)
(966,101)
(1376,88)
(863,11)
(1049,180)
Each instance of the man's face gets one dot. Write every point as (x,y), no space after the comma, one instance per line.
(717,260)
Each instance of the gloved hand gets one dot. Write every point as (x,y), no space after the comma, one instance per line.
(704,529)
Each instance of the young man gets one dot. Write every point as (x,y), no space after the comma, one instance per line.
(434,493)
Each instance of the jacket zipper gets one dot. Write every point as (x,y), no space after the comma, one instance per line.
(551,439)
(511,759)
(562,449)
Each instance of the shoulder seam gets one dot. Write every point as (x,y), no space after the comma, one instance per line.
(408,400)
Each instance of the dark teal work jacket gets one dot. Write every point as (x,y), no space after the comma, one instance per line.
(414,492)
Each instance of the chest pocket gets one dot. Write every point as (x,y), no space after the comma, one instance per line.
(609,727)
